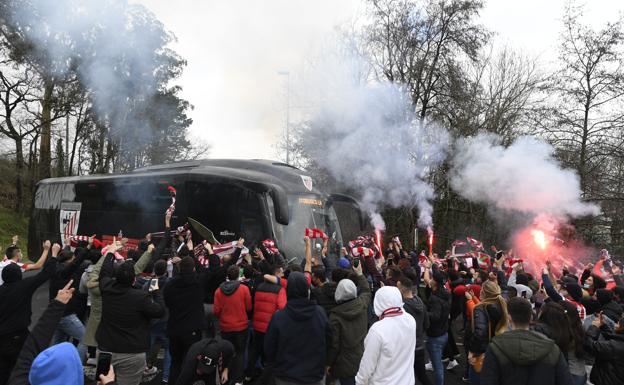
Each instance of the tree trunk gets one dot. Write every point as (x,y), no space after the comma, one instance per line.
(45,161)
(19,167)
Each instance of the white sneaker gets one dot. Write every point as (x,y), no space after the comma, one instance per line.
(91,361)
(149,371)
(429,366)
(452,364)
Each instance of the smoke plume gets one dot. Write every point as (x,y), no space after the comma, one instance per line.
(368,137)
(117,50)
(524,177)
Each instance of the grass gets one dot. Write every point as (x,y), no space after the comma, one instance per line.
(12,224)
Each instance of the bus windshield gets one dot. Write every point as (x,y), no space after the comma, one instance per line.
(307,211)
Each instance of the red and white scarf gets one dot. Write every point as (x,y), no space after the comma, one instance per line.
(74,239)
(173,193)
(315,233)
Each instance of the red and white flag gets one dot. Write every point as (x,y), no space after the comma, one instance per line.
(476,244)
(315,233)
(483,259)
(364,251)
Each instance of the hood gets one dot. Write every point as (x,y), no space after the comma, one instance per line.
(300,309)
(387,297)
(11,273)
(57,365)
(416,304)
(229,287)
(444,294)
(297,286)
(345,291)
(524,348)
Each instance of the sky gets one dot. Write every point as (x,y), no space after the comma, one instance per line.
(236,50)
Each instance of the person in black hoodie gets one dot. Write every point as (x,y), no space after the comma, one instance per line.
(416,308)
(184,299)
(16,309)
(609,307)
(69,268)
(439,308)
(296,341)
(207,361)
(324,292)
(126,315)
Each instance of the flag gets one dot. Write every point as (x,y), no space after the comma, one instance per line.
(363,251)
(457,242)
(475,244)
(483,260)
(315,233)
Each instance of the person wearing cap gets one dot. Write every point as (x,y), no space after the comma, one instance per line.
(348,321)
(390,344)
(295,344)
(439,308)
(207,362)
(15,308)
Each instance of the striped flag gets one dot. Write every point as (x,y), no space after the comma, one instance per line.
(476,244)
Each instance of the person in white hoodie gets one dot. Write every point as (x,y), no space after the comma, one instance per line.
(390,343)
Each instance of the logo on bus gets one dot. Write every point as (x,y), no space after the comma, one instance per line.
(307,182)
(69,218)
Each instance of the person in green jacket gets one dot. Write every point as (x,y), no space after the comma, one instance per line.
(348,321)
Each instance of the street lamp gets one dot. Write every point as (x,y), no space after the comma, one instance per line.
(287,74)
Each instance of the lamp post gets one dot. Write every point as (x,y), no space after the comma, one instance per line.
(287,74)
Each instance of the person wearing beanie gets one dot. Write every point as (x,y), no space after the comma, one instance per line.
(348,321)
(571,292)
(232,302)
(297,338)
(344,263)
(184,298)
(56,365)
(16,308)
(126,316)
(390,344)
(439,308)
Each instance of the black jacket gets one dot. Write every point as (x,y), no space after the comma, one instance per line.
(613,310)
(296,341)
(38,340)
(184,299)
(324,296)
(483,327)
(439,307)
(416,308)
(609,356)
(218,350)
(126,314)
(349,323)
(66,272)
(523,357)
(16,299)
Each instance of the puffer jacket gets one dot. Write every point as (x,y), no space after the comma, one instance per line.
(439,308)
(485,317)
(349,322)
(609,355)
(268,298)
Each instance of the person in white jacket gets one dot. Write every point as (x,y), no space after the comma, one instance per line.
(390,343)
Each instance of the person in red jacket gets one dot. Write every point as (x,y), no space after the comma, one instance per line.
(232,302)
(269,297)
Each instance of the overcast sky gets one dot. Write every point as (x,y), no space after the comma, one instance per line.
(235,49)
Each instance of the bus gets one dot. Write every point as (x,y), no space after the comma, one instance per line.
(253,199)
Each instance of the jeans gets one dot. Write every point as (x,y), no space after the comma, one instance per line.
(159,337)
(71,326)
(473,377)
(239,340)
(435,347)
(179,345)
(419,367)
(10,346)
(579,380)
(256,351)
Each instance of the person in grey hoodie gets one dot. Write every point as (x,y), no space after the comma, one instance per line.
(414,306)
(348,321)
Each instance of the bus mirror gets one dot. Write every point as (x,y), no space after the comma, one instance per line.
(280,203)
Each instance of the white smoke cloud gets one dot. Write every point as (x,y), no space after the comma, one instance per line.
(524,177)
(115,47)
(368,136)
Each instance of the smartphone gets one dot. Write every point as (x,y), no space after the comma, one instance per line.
(153,284)
(103,364)
(356,262)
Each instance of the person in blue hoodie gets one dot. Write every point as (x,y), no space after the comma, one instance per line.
(296,341)
(57,365)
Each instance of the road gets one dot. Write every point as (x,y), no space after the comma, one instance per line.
(40,301)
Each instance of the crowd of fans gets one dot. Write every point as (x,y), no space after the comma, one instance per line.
(371,317)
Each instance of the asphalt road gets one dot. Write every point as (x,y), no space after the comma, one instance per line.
(40,301)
